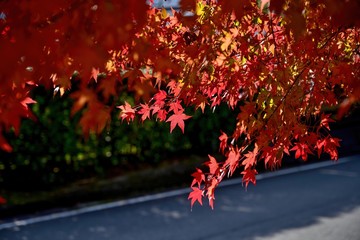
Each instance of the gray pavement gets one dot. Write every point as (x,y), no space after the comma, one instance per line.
(316,204)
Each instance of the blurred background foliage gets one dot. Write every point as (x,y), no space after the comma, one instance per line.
(51,151)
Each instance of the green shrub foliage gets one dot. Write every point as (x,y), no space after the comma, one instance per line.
(51,151)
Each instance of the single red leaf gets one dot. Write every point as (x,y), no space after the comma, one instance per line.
(160,98)
(176,107)
(249,175)
(145,112)
(199,177)
(223,141)
(325,120)
(212,164)
(196,195)
(211,185)
(161,114)
(272,156)
(250,158)
(174,87)
(127,112)
(330,146)
(302,150)
(232,160)
(177,120)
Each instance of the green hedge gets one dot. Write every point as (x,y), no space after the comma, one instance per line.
(51,151)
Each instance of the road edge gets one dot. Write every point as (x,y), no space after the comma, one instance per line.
(120,203)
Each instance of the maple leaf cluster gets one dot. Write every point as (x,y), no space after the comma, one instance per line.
(279,63)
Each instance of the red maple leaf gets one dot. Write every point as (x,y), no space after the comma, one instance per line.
(249,176)
(199,177)
(177,120)
(174,87)
(212,184)
(127,112)
(232,160)
(196,195)
(13,107)
(320,145)
(250,158)
(161,114)
(212,164)
(223,141)
(329,145)
(160,98)
(272,156)
(302,150)
(144,111)
(326,120)
(176,107)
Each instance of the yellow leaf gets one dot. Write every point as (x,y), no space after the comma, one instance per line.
(199,9)
(164,13)
(226,43)
(272,49)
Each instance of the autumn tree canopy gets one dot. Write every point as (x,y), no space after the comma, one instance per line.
(279,63)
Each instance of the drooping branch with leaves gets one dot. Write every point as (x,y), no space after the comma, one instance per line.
(279,63)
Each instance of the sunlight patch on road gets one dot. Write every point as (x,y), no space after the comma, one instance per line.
(329,228)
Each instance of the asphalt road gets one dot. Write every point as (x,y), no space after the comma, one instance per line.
(316,204)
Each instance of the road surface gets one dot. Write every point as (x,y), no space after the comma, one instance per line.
(315,204)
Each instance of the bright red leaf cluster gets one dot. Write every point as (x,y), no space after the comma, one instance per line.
(279,62)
